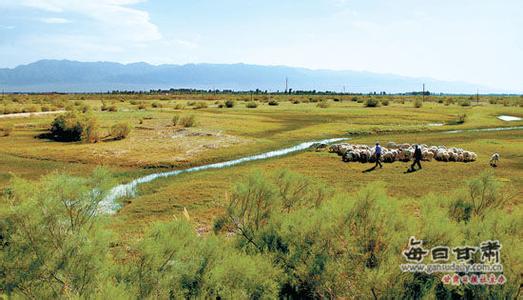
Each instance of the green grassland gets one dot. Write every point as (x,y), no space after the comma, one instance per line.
(189,236)
(226,133)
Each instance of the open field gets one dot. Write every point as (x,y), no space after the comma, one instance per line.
(399,204)
(226,133)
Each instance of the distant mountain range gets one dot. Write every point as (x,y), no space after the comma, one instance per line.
(73,76)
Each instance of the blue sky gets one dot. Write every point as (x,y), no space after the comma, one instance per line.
(477,41)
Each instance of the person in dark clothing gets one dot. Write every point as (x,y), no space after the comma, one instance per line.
(417,158)
(378,156)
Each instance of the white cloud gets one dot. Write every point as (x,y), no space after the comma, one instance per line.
(115,17)
(55,20)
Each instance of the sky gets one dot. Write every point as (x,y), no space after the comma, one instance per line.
(476,41)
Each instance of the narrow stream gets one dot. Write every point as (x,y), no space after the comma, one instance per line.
(110,205)
(485,129)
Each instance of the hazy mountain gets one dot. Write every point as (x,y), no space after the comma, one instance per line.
(73,76)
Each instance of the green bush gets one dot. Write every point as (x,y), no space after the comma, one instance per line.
(273,102)
(120,131)
(6,130)
(459,120)
(371,102)
(175,120)
(200,105)
(73,126)
(51,239)
(465,102)
(323,104)
(287,237)
(385,102)
(251,104)
(188,121)
(184,121)
(229,103)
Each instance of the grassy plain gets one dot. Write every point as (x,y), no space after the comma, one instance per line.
(221,134)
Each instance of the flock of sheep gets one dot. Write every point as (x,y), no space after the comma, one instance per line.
(399,152)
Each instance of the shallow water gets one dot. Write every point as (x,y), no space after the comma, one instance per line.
(509,118)
(110,205)
(485,129)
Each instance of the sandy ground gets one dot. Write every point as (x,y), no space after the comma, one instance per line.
(32,114)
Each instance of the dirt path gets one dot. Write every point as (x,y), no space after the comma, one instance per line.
(31,114)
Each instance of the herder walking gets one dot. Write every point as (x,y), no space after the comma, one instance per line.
(378,156)
(417,158)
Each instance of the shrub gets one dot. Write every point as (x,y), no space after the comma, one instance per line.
(187,121)
(418,103)
(385,102)
(273,102)
(251,104)
(372,102)
(175,120)
(459,120)
(191,103)
(179,106)
(295,101)
(323,104)
(465,102)
(6,130)
(141,106)
(85,108)
(60,243)
(449,101)
(113,108)
(45,108)
(31,108)
(156,104)
(200,105)
(120,131)
(230,103)
(72,126)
